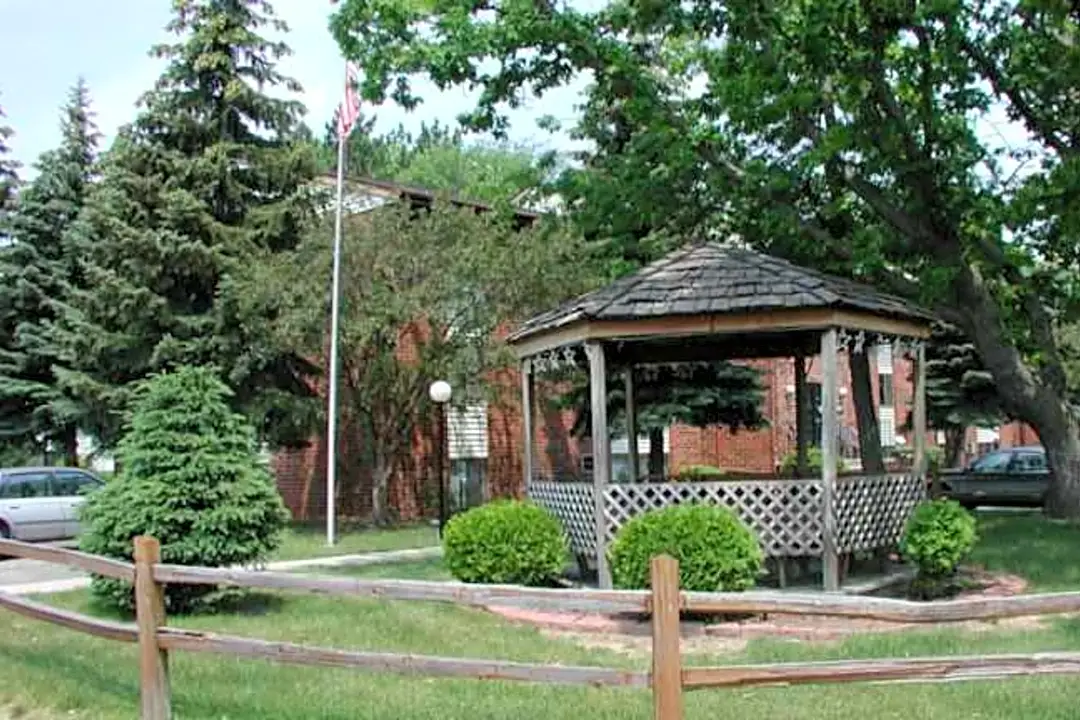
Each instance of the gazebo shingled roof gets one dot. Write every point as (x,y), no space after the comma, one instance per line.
(709,280)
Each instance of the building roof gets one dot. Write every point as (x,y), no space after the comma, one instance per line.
(711,279)
(419,196)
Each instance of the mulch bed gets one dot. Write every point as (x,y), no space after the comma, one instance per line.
(794,627)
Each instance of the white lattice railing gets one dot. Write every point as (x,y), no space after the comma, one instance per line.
(871,511)
(787,515)
(572,503)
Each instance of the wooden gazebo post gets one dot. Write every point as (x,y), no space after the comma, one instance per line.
(527,388)
(601,453)
(830,562)
(631,424)
(918,422)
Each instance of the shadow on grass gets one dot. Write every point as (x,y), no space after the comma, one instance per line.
(225,601)
(1046,552)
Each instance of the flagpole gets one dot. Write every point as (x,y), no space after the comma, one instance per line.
(335,310)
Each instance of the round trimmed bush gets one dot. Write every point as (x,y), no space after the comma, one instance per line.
(506,541)
(939,535)
(715,549)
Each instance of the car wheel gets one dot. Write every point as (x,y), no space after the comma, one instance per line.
(5,531)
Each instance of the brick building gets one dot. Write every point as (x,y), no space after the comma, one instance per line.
(486,450)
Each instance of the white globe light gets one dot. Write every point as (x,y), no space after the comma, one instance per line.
(440,391)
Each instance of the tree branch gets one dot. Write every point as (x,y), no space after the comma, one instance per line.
(1003,88)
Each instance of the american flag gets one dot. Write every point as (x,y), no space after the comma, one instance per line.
(349,110)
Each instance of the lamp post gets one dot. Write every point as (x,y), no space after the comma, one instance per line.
(440,392)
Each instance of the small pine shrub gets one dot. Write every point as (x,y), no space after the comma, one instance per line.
(939,535)
(505,541)
(191,476)
(715,549)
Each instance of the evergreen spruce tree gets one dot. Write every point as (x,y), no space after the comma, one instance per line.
(192,477)
(9,176)
(15,446)
(200,187)
(960,391)
(38,266)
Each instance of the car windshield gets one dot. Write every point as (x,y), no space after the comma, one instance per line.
(1031,462)
(994,462)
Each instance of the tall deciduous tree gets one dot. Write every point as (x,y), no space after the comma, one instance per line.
(38,267)
(206,182)
(437,158)
(844,130)
(424,296)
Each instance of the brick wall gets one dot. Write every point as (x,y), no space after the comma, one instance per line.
(1017,434)
(762,451)
(301,473)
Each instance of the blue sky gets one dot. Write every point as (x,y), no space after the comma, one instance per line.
(46,45)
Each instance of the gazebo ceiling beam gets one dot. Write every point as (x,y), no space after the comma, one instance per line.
(691,326)
(711,348)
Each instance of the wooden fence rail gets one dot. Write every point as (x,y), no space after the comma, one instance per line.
(667,678)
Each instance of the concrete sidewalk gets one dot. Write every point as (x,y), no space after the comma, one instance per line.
(33,577)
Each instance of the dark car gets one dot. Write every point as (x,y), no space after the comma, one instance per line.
(1014,477)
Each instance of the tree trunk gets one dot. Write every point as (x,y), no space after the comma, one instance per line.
(71,446)
(802,420)
(1034,401)
(862,390)
(656,454)
(1061,438)
(380,493)
(954,446)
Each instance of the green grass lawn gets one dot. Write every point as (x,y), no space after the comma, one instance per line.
(51,669)
(1046,552)
(309,541)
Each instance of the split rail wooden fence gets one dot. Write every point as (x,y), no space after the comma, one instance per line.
(664,602)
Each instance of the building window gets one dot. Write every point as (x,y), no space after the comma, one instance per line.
(467,428)
(885,387)
(884,359)
(467,477)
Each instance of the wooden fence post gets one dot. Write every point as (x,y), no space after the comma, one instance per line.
(149,616)
(666,658)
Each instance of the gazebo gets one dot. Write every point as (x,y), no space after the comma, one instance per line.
(709,302)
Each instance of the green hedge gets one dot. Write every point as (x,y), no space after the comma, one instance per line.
(715,550)
(813,460)
(505,541)
(699,473)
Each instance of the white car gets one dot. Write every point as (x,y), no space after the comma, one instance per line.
(42,503)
